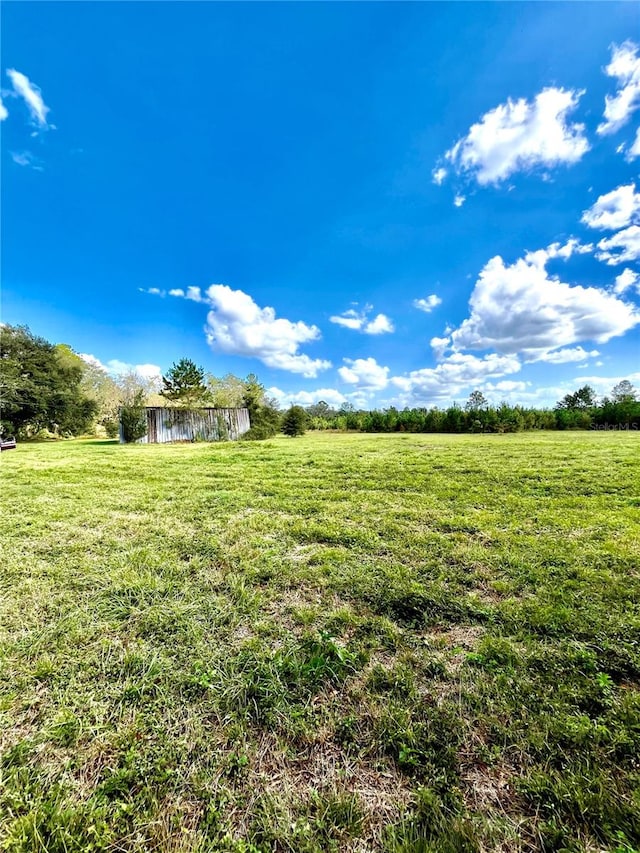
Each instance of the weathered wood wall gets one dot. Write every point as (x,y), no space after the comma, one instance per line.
(164,425)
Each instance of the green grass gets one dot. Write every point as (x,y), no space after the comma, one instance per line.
(331,643)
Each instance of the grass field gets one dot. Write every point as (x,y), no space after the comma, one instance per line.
(331,643)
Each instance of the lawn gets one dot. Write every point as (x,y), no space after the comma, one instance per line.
(329,643)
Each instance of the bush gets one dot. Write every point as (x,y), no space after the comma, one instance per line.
(259,432)
(264,416)
(295,421)
(133,417)
(110,427)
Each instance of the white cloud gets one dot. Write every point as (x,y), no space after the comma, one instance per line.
(238,326)
(615,209)
(192,293)
(349,319)
(627,278)
(3,111)
(379,325)
(366,373)
(451,377)
(31,95)
(622,248)
(507,390)
(634,151)
(439,175)
(360,399)
(359,321)
(521,308)
(558,250)
(521,135)
(116,368)
(439,346)
(427,305)
(148,371)
(459,200)
(330,396)
(26,158)
(568,354)
(505,385)
(625,68)
(619,208)
(92,360)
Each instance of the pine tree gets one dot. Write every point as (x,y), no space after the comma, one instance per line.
(184,385)
(294,421)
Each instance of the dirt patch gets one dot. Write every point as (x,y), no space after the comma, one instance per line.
(322,767)
(302,553)
(487,788)
(463,636)
(454,643)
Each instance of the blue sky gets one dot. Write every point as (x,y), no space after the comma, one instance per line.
(381,203)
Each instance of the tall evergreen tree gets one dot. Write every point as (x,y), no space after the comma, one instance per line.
(185,385)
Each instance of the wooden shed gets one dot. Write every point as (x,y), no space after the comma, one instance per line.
(169,424)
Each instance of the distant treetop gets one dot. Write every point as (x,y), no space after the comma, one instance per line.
(184,385)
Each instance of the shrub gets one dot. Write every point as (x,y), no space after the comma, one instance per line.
(294,421)
(110,427)
(133,417)
(264,416)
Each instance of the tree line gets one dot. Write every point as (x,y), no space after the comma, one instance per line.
(578,410)
(48,389)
